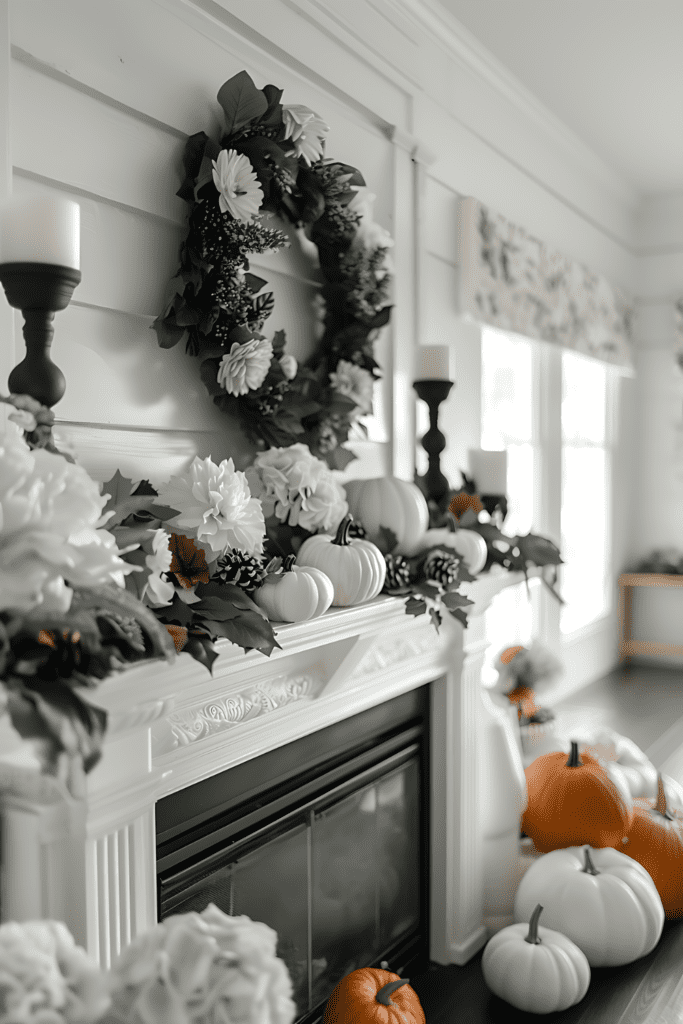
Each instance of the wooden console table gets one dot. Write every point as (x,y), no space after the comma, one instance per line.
(627,581)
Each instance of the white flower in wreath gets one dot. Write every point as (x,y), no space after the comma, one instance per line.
(246,366)
(240,192)
(306,130)
(216,508)
(289,365)
(354,382)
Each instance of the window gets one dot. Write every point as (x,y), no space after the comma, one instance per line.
(552,410)
(586,490)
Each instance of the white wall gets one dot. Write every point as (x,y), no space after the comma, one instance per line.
(102,97)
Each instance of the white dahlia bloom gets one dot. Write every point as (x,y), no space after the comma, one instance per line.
(216,508)
(246,366)
(354,382)
(306,130)
(241,194)
(49,513)
(158,591)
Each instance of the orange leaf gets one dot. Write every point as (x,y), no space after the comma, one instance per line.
(461,502)
(178,635)
(188,562)
(509,653)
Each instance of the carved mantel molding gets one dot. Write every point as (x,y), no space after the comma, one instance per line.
(92,862)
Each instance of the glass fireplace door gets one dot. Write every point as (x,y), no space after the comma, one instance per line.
(339,879)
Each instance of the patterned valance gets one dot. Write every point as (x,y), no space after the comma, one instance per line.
(512,281)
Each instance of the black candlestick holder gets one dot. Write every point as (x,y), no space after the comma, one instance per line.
(434,392)
(39,290)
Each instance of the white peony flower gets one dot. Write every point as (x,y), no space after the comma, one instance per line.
(49,513)
(45,978)
(306,130)
(216,508)
(354,382)
(240,192)
(246,366)
(207,968)
(298,488)
(159,592)
(289,366)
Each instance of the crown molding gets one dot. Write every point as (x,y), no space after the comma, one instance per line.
(451,35)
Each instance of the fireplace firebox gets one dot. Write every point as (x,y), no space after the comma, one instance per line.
(325,839)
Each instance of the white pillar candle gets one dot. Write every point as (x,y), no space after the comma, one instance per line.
(489,470)
(42,229)
(433,362)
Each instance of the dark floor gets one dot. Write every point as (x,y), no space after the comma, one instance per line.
(645,704)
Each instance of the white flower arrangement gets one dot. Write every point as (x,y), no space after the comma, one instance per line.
(216,508)
(50,535)
(45,978)
(355,383)
(206,968)
(298,488)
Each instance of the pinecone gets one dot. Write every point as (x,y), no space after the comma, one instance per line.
(357,530)
(243,570)
(398,572)
(442,567)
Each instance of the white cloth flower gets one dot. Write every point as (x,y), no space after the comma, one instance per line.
(240,192)
(24,419)
(298,488)
(246,366)
(206,968)
(49,514)
(306,130)
(216,508)
(45,978)
(159,592)
(354,382)
(288,365)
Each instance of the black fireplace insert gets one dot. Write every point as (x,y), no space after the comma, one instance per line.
(324,839)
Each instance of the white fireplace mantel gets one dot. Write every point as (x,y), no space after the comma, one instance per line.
(91,862)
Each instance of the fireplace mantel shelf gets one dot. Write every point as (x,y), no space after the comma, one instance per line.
(92,863)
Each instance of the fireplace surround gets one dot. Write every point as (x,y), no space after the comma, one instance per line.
(92,861)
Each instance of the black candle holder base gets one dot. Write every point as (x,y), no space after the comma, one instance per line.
(39,290)
(434,484)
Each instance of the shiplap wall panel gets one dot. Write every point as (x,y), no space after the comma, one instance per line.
(110,110)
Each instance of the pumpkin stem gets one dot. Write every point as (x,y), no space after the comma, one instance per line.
(385,992)
(533,936)
(342,535)
(660,806)
(588,865)
(574,761)
(289,562)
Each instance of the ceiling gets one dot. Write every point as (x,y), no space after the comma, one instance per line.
(611,70)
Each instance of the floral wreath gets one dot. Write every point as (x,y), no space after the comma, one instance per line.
(270,160)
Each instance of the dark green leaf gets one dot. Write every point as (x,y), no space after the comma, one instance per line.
(538,550)
(385,539)
(452,599)
(201,648)
(254,283)
(339,458)
(415,606)
(241,101)
(436,617)
(460,615)
(168,334)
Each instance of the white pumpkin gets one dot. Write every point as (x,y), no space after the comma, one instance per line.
(468,543)
(536,969)
(639,772)
(356,567)
(299,594)
(398,505)
(602,900)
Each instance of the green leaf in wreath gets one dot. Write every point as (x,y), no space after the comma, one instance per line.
(167,332)
(208,371)
(339,458)
(254,283)
(241,101)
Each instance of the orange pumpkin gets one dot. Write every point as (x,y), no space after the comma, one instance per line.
(373,996)
(655,840)
(574,802)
